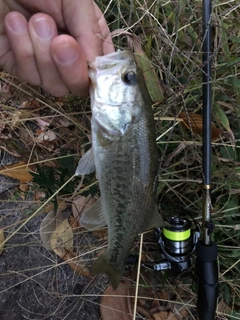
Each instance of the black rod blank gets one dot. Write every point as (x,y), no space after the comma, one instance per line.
(206,250)
(207,91)
(207,113)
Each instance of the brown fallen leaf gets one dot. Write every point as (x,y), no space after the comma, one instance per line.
(62,238)
(101,234)
(30,104)
(1,241)
(164,315)
(74,223)
(222,307)
(145,313)
(163,295)
(114,303)
(23,189)
(75,264)
(45,135)
(16,119)
(57,235)
(50,223)
(39,195)
(19,171)
(65,122)
(193,121)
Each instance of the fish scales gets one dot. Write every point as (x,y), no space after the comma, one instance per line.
(127,201)
(125,156)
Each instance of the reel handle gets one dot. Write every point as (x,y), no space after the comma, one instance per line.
(207,272)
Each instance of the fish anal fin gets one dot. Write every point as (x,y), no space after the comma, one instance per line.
(86,164)
(93,218)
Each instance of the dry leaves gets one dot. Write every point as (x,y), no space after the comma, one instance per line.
(44,134)
(158,305)
(62,238)
(51,222)
(193,121)
(115,303)
(222,307)
(162,315)
(16,117)
(48,225)
(75,264)
(1,241)
(74,223)
(19,171)
(57,235)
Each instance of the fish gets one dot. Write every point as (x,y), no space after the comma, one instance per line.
(125,156)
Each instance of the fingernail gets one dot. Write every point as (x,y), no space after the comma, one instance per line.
(43,28)
(66,54)
(17,25)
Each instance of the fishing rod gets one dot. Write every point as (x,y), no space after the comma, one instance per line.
(180,240)
(206,249)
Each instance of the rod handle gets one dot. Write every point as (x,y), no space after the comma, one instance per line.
(207,272)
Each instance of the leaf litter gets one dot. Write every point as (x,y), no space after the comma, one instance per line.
(193,121)
(57,235)
(152,304)
(20,171)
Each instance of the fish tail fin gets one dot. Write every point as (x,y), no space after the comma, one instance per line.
(101,265)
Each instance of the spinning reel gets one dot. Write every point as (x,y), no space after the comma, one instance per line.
(176,243)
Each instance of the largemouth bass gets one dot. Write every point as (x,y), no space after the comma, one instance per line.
(124,154)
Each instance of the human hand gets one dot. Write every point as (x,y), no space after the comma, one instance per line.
(32,49)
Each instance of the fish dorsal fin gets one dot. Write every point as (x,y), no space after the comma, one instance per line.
(93,218)
(157,220)
(86,164)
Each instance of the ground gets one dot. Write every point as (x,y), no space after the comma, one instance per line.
(34,282)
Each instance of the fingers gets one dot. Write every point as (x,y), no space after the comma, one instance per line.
(36,54)
(44,58)
(71,63)
(24,63)
(42,31)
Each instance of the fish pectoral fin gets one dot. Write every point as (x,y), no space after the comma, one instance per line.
(86,164)
(157,220)
(93,218)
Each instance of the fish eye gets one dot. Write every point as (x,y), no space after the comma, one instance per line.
(129,78)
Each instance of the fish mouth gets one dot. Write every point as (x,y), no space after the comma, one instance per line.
(114,61)
(110,59)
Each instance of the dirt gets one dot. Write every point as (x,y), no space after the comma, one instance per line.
(34,282)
